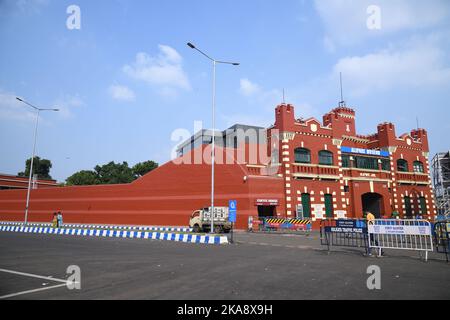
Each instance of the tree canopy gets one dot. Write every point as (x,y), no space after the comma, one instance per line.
(84,177)
(111,173)
(41,167)
(142,168)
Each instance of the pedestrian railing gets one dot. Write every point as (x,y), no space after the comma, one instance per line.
(441,234)
(412,235)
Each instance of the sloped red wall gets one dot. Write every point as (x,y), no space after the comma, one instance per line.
(166,196)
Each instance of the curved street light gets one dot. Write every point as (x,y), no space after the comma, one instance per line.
(215,62)
(34,150)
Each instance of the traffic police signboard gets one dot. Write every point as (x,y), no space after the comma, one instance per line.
(232,210)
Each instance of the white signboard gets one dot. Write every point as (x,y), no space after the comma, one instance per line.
(318,210)
(400,230)
(341,214)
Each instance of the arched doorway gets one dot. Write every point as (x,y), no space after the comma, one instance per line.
(372,202)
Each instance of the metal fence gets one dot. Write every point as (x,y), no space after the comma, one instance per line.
(274,224)
(413,235)
(344,233)
(442,237)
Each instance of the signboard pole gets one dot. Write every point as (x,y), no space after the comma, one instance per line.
(232,211)
(232,228)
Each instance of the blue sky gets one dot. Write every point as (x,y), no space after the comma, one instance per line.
(126,80)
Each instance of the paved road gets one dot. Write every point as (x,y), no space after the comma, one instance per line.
(257,267)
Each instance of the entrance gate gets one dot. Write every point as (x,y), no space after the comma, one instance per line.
(372,202)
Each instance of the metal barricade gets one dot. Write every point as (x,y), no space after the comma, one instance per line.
(412,235)
(442,237)
(344,233)
(275,224)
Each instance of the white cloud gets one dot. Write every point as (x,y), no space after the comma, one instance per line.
(346,20)
(163,71)
(249,88)
(419,62)
(266,100)
(12,109)
(67,103)
(121,93)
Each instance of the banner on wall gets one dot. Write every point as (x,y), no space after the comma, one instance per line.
(318,210)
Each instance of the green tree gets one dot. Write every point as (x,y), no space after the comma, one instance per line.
(41,167)
(115,173)
(83,178)
(142,168)
(111,173)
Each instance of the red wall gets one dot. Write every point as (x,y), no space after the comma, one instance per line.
(166,196)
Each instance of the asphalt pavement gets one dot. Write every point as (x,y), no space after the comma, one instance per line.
(256,267)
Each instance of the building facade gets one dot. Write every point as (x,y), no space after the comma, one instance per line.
(295,168)
(330,171)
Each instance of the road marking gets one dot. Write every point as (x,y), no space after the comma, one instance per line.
(33,275)
(64,283)
(31,291)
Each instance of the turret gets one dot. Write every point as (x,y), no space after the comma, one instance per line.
(386,134)
(422,136)
(284,117)
(342,121)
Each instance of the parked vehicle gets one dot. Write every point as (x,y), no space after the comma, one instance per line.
(200,220)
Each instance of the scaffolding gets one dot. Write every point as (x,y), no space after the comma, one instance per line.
(441,182)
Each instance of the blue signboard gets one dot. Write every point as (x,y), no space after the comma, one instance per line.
(367,152)
(350,223)
(232,211)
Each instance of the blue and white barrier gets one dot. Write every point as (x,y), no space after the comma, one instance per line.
(177,237)
(103,226)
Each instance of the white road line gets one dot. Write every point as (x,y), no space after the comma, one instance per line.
(34,276)
(31,291)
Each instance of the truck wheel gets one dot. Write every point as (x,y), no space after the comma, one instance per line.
(218,229)
(196,229)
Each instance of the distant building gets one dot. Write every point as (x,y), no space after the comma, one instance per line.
(8,182)
(441,182)
(227,138)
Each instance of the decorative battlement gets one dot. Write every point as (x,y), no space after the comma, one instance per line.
(344,112)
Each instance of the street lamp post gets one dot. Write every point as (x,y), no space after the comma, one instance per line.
(34,151)
(214,62)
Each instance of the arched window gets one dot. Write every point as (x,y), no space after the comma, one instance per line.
(402,165)
(302,155)
(418,167)
(326,158)
(329,208)
(306,205)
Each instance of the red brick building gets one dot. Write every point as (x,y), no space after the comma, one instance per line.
(308,168)
(8,182)
(333,172)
